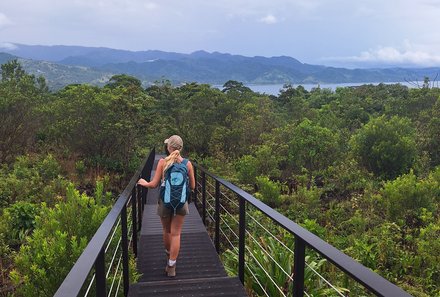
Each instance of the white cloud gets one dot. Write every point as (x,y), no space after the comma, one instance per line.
(4,21)
(252,9)
(364,11)
(150,5)
(7,46)
(408,54)
(269,19)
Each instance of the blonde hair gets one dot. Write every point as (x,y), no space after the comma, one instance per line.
(170,160)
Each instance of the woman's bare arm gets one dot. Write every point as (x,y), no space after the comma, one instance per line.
(192,180)
(156,179)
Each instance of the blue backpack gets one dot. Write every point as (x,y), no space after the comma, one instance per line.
(175,190)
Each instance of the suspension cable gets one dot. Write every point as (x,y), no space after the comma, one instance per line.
(268,275)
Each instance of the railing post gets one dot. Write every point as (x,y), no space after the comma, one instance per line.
(145,175)
(124,249)
(298,267)
(139,202)
(134,220)
(241,238)
(217,216)
(204,197)
(195,189)
(100,274)
(144,197)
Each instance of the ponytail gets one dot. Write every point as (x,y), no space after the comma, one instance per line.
(172,158)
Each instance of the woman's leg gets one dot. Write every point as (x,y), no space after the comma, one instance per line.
(176,229)
(166,232)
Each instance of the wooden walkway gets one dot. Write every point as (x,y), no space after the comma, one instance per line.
(199,271)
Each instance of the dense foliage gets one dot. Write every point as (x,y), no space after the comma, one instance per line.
(358,166)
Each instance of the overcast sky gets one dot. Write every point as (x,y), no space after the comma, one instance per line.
(329,32)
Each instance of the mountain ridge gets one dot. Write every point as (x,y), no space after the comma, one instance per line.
(94,65)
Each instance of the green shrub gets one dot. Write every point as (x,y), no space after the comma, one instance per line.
(101,196)
(386,147)
(18,221)
(429,251)
(269,191)
(267,161)
(406,196)
(31,179)
(61,233)
(307,201)
(80,169)
(314,227)
(246,168)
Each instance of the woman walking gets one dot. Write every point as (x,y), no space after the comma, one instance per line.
(172,220)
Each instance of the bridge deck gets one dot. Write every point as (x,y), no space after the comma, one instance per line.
(199,271)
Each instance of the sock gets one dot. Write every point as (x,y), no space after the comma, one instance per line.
(171,262)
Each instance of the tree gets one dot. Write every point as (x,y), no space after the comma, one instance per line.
(385,147)
(102,126)
(292,102)
(12,71)
(60,236)
(312,147)
(428,133)
(20,97)
(236,87)
(406,196)
(124,81)
(197,112)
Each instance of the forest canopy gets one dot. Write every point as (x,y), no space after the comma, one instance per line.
(362,163)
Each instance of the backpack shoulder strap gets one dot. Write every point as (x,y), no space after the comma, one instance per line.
(185,161)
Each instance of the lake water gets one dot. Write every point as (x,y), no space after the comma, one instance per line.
(275,89)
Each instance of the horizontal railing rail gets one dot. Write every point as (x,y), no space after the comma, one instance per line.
(373,282)
(93,255)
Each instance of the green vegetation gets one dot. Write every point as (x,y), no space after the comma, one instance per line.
(359,167)
(52,146)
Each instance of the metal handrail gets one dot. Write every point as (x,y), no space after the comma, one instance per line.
(303,238)
(93,254)
(280,242)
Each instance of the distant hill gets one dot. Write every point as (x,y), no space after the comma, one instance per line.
(58,75)
(62,65)
(6,57)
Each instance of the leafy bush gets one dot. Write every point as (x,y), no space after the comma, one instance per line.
(406,196)
(80,169)
(102,197)
(303,204)
(21,96)
(246,168)
(60,235)
(386,147)
(18,221)
(345,177)
(312,147)
(429,252)
(265,162)
(32,179)
(269,191)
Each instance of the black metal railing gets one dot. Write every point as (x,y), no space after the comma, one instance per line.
(210,199)
(91,265)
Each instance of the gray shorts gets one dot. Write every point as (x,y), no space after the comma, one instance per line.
(164,212)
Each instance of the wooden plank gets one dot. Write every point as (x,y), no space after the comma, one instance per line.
(224,286)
